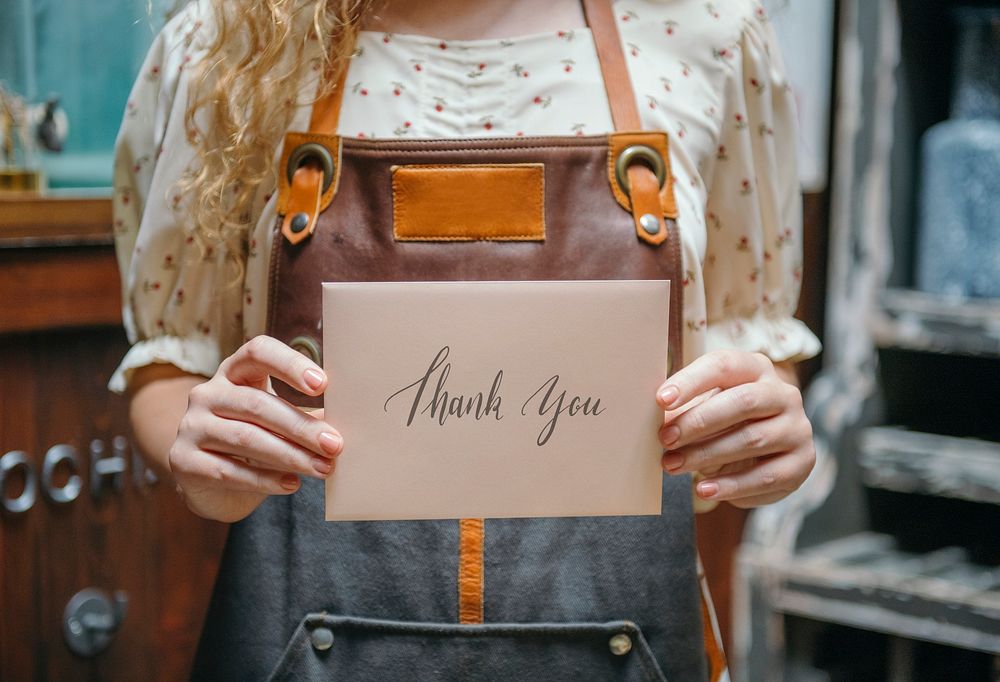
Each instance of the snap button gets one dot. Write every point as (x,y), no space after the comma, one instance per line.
(620,644)
(322,639)
(300,221)
(648,221)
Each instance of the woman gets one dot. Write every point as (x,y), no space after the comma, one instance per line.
(200,226)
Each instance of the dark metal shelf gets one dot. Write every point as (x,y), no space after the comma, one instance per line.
(864,581)
(910,462)
(938,324)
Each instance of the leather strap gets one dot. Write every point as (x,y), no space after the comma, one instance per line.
(326,110)
(471,534)
(303,204)
(644,194)
(601,20)
(646,205)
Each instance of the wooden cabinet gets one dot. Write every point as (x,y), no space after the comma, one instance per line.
(78,510)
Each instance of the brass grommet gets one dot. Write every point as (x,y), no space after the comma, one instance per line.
(312,151)
(308,347)
(639,153)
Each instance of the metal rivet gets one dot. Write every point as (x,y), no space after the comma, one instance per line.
(620,644)
(322,639)
(308,347)
(649,223)
(300,221)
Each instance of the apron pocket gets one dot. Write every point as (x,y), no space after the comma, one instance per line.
(341,647)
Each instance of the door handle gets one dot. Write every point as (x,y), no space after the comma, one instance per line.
(91,620)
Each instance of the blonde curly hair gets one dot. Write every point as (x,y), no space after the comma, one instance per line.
(245,91)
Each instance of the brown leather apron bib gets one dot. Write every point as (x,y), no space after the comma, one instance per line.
(604,597)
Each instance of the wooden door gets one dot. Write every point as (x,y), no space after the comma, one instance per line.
(98,519)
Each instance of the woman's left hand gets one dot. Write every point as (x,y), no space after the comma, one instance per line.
(734,420)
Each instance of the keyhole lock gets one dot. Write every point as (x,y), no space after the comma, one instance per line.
(91,619)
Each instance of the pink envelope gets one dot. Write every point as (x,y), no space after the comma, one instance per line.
(495,399)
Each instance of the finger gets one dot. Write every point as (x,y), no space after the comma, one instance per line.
(670,415)
(725,410)
(263,449)
(718,369)
(262,357)
(758,500)
(222,471)
(770,476)
(264,409)
(751,439)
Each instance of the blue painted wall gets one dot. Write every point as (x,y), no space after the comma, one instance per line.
(88,52)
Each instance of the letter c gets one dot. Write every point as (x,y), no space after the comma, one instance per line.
(56,455)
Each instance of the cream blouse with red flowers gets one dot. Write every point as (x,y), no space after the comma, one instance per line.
(708,73)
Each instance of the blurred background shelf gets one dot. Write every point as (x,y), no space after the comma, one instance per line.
(865,581)
(916,320)
(886,565)
(911,462)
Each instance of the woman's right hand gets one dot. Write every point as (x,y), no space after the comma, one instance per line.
(238,442)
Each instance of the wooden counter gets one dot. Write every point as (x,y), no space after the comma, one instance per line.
(57,265)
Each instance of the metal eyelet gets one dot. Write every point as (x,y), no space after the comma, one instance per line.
(308,347)
(639,153)
(312,151)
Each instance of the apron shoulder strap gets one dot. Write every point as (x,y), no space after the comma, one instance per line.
(326,110)
(617,82)
(645,188)
(601,21)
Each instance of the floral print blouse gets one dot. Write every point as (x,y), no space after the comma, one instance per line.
(708,73)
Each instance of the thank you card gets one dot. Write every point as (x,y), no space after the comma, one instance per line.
(495,399)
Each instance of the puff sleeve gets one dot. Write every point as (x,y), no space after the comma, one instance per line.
(181,298)
(753,259)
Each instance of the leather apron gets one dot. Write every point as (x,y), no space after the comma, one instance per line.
(597,598)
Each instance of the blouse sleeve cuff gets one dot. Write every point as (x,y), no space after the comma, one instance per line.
(197,356)
(779,338)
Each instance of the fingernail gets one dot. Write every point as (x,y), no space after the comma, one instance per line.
(314,378)
(290,482)
(670,435)
(321,465)
(668,395)
(708,489)
(331,443)
(672,461)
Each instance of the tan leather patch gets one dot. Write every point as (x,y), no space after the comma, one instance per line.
(470,571)
(469,202)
